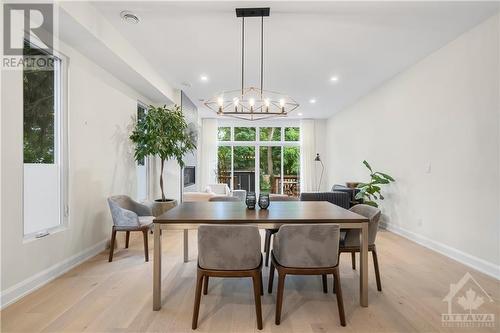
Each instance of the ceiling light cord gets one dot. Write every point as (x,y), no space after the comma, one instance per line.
(242,55)
(261,55)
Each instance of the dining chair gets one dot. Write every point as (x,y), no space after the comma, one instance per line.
(306,249)
(129,215)
(349,238)
(228,251)
(224,198)
(341,199)
(271,232)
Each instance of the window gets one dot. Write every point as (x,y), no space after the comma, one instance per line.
(292,134)
(224,164)
(44,174)
(260,159)
(244,168)
(142,167)
(244,134)
(224,133)
(270,134)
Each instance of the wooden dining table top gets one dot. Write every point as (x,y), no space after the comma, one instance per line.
(277,212)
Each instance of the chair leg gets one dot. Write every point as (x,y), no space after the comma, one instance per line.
(146,250)
(127,238)
(271,279)
(267,245)
(261,284)
(353,259)
(325,286)
(377,272)
(340,301)
(333,285)
(279,297)
(257,285)
(112,245)
(197,299)
(205,285)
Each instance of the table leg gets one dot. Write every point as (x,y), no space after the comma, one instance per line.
(363,267)
(186,246)
(157,269)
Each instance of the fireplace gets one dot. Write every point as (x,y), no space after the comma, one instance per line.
(189,176)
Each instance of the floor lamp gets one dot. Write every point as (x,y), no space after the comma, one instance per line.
(318,159)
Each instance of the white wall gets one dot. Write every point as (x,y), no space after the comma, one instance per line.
(100,164)
(435,128)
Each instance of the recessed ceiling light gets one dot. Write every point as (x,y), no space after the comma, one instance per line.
(129,17)
(334,78)
(312,101)
(204,78)
(299,114)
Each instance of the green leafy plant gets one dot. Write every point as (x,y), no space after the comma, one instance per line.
(370,191)
(164,133)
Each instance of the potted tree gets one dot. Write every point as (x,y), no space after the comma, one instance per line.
(162,132)
(370,192)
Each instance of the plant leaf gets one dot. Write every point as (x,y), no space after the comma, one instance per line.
(367,165)
(386,176)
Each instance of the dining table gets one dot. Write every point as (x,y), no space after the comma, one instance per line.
(190,215)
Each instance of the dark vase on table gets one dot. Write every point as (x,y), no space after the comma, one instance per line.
(251,200)
(264,201)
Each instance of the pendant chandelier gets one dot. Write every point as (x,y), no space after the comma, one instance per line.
(252,103)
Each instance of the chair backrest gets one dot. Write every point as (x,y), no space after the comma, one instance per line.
(228,247)
(307,245)
(240,194)
(341,199)
(371,213)
(224,198)
(282,197)
(196,196)
(341,188)
(219,189)
(122,209)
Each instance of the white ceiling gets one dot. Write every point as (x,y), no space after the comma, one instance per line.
(364,43)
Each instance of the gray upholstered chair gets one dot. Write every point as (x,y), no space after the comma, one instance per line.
(224,198)
(306,249)
(271,232)
(282,197)
(349,238)
(228,251)
(341,199)
(240,194)
(129,215)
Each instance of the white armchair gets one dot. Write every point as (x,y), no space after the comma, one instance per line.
(219,189)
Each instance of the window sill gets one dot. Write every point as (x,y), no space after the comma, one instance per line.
(32,237)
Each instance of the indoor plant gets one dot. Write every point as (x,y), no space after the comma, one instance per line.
(369,192)
(162,132)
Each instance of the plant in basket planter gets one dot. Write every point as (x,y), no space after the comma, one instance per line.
(369,192)
(162,132)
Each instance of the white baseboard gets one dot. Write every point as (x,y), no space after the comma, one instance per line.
(23,288)
(476,263)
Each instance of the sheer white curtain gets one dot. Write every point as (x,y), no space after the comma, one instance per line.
(208,163)
(307,155)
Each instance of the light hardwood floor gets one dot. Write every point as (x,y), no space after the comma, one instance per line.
(98,296)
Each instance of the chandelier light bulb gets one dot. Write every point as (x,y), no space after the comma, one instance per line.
(267,102)
(282,105)
(251,101)
(220,101)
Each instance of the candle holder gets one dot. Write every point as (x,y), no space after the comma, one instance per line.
(251,200)
(264,201)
